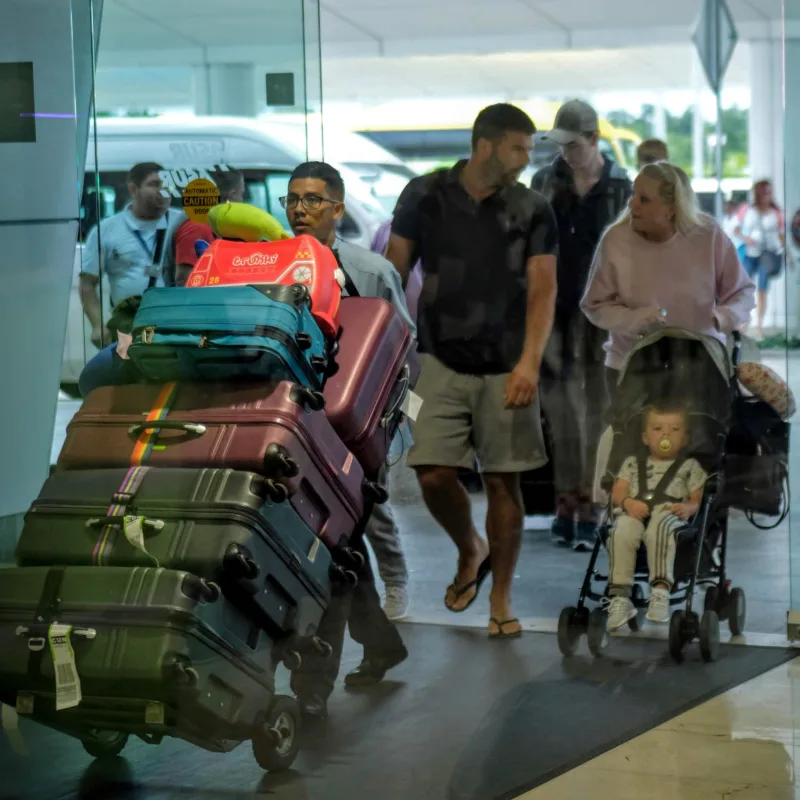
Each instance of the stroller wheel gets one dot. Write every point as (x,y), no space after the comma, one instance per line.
(676,635)
(709,636)
(737,611)
(569,631)
(637,596)
(596,633)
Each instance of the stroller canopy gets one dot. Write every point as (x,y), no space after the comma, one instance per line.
(674,364)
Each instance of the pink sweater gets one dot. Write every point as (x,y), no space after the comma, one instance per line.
(697,278)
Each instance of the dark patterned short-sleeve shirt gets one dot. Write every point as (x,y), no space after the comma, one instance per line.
(474,259)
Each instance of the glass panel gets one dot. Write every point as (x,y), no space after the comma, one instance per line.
(240,121)
(789,200)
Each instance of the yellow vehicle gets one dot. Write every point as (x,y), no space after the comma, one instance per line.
(426,136)
(628,141)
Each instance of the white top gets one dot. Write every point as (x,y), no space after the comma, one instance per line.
(126,258)
(689,478)
(764,229)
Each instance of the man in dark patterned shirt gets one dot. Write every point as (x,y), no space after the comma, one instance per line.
(488,251)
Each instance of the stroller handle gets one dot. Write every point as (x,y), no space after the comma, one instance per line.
(736,357)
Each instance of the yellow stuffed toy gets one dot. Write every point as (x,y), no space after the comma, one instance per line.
(246,223)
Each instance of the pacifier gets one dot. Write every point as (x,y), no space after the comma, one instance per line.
(665,445)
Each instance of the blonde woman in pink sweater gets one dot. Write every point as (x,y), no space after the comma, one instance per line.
(664,262)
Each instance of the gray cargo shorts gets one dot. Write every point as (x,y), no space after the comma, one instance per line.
(463,418)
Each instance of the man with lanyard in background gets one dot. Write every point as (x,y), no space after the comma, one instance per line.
(587,191)
(128,247)
(314,205)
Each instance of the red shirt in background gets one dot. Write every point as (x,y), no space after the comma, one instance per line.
(187,234)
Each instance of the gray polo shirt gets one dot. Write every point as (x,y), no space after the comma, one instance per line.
(127,245)
(374,276)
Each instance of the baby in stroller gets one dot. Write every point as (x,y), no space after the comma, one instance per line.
(654,494)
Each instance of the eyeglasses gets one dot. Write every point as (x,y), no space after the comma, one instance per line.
(310,202)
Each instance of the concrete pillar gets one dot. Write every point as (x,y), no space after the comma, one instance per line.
(226,90)
(698,123)
(38,230)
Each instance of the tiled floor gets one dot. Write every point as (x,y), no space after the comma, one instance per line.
(742,745)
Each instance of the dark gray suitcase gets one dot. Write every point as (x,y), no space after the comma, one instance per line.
(214,523)
(157,652)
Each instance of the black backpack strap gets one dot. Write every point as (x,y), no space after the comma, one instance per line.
(349,286)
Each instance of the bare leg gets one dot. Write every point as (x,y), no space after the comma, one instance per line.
(448,502)
(761,312)
(504,527)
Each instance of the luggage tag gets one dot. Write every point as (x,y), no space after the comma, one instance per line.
(12,731)
(412,406)
(133,528)
(68,684)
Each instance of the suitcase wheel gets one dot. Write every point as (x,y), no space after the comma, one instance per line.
(304,340)
(322,647)
(105,744)
(341,575)
(277,459)
(354,557)
(277,492)
(304,396)
(239,564)
(185,675)
(292,660)
(201,589)
(375,492)
(302,295)
(318,363)
(275,747)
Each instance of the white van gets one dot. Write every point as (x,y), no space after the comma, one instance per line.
(188,148)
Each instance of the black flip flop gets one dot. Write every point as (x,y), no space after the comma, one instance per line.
(501,634)
(483,571)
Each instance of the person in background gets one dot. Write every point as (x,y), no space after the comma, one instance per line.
(182,257)
(664,263)
(731,220)
(762,231)
(128,247)
(587,192)
(488,250)
(314,205)
(650,151)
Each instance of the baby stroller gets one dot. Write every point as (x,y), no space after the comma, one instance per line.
(672,364)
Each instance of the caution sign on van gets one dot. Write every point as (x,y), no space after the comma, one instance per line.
(199,196)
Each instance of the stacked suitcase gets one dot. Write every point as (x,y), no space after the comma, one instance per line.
(195,526)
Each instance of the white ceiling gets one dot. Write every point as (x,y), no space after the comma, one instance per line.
(382,49)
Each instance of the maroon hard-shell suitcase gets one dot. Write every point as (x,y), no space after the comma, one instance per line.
(377,364)
(264,428)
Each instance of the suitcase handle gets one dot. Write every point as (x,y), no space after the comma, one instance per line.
(405,383)
(116,521)
(37,643)
(168,425)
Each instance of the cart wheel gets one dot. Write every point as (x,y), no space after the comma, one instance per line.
(737,611)
(292,660)
(105,744)
(711,602)
(709,636)
(210,591)
(276,746)
(596,633)
(569,632)
(637,596)
(676,636)
(375,492)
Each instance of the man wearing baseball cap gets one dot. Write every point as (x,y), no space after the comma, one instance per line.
(587,192)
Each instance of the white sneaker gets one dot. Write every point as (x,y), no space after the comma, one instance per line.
(620,610)
(395,604)
(658,606)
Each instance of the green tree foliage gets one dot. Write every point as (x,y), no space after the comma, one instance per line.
(679,137)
